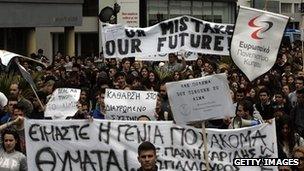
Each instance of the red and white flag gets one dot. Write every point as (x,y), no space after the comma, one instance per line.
(256,40)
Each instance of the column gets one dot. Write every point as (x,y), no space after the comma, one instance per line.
(31,45)
(69,33)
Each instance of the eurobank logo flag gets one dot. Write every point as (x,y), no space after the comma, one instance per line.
(256,40)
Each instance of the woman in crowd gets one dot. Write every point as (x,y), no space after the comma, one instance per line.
(11,159)
(298,153)
(287,138)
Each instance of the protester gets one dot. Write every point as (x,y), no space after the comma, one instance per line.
(298,153)
(297,112)
(11,159)
(287,137)
(245,112)
(147,157)
(16,92)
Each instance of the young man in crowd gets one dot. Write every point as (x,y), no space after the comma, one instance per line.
(147,157)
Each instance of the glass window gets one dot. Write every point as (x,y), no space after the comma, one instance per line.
(286,7)
(220,12)
(297,8)
(90,8)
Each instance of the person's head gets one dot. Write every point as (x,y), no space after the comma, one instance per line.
(278,113)
(285,128)
(280,98)
(300,97)
(244,109)
(49,86)
(18,111)
(83,95)
(120,78)
(144,72)
(15,90)
(152,76)
(136,65)
(163,91)
(176,76)
(126,64)
(11,103)
(252,93)
(298,152)
(286,89)
(299,83)
(101,97)
(264,95)
(11,141)
(136,83)
(143,118)
(290,79)
(83,107)
(172,58)
(112,72)
(300,74)
(239,95)
(147,156)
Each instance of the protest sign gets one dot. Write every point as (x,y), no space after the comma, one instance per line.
(129,104)
(200,99)
(256,40)
(129,12)
(112,145)
(181,33)
(63,103)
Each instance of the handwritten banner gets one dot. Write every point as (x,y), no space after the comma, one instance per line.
(63,103)
(129,104)
(182,33)
(112,145)
(200,99)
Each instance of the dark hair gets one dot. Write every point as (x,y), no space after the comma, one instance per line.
(265,90)
(19,106)
(145,146)
(285,119)
(143,116)
(16,137)
(247,106)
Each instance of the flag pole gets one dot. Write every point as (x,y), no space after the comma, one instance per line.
(37,97)
(205,145)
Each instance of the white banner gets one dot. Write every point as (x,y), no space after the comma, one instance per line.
(182,33)
(200,99)
(6,57)
(112,145)
(129,104)
(256,40)
(63,103)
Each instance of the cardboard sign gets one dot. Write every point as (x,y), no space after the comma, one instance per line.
(200,99)
(129,104)
(63,103)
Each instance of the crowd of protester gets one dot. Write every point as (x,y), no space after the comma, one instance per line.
(278,94)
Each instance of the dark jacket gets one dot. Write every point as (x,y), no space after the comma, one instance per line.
(140,169)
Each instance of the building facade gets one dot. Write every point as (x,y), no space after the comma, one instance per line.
(285,7)
(72,26)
